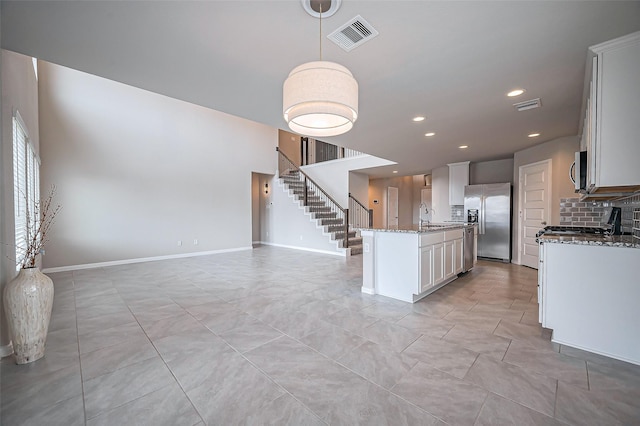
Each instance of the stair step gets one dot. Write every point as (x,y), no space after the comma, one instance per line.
(331,221)
(355,241)
(355,250)
(319,209)
(315,202)
(325,215)
(339,235)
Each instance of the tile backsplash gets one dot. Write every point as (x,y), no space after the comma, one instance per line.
(457,214)
(589,213)
(580,213)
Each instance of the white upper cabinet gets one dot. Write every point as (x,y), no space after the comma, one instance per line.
(611,129)
(458,179)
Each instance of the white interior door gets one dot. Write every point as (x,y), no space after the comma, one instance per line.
(392,207)
(535,208)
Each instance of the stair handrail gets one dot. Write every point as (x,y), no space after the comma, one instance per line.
(360,211)
(345,212)
(296,168)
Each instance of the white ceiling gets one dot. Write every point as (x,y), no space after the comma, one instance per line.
(452,61)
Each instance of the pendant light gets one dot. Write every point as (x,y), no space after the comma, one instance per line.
(320,98)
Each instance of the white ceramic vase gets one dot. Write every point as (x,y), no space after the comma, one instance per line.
(28,300)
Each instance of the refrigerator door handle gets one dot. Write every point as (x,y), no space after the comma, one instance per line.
(481,214)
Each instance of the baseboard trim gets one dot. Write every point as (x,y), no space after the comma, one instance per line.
(6,350)
(332,253)
(140,260)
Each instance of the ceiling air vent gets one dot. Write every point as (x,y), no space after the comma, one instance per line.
(352,34)
(523,106)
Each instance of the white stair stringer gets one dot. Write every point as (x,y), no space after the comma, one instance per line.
(316,236)
(321,211)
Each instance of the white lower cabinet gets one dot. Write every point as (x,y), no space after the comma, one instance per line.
(458,256)
(438,263)
(426,271)
(449,259)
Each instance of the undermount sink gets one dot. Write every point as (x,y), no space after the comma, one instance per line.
(430,226)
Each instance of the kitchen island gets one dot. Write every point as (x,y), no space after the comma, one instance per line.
(409,264)
(589,293)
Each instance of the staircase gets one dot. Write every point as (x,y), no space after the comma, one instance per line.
(322,210)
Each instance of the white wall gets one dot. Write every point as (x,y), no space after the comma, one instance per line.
(19,92)
(333,176)
(561,152)
(285,223)
(497,171)
(359,187)
(136,171)
(378,190)
(440,194)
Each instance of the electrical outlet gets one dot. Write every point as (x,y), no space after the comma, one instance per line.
(195,242)
(366,248)
(179,243)
(300,237)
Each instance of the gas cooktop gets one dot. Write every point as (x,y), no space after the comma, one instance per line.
(573,230)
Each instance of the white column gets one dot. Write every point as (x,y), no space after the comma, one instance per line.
(368,263)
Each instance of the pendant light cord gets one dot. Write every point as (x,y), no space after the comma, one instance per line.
(321,31)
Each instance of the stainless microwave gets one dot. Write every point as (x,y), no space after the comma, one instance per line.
(578,172)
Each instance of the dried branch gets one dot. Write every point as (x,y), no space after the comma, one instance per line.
(36,236)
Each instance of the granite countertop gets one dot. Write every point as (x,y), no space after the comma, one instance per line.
(433,227)
(592,240)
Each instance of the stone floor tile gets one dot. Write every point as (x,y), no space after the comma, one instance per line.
(455,401)
(478,341)
(509,381)
(444,356)
(500,411)
(114,389)
(28,397)
(426,325)
(284,410)
(109,336)
(377,364)
(578,406)
(112,358)
(250,335)
(238,390)
(562,367)
(332,341)
(165,406)
(168,326)
(68,413)
(185,304)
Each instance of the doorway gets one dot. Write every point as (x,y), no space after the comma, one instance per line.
(534,208)
(392,207)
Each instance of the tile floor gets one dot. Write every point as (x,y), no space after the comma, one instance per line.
(277,336)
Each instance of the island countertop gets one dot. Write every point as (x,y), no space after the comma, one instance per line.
(415,229)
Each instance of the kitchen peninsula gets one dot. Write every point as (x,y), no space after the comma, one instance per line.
(409,264)
(589,291)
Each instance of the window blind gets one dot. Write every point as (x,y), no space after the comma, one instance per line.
(26,189)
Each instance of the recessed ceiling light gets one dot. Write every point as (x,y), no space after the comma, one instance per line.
(429,134)
(515,92)
(463,146)
(395,171)
(418,118)
(534,135)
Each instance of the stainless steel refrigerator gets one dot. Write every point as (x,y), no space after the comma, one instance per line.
(490,207)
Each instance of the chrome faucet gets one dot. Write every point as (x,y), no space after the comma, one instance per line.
(420,213)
